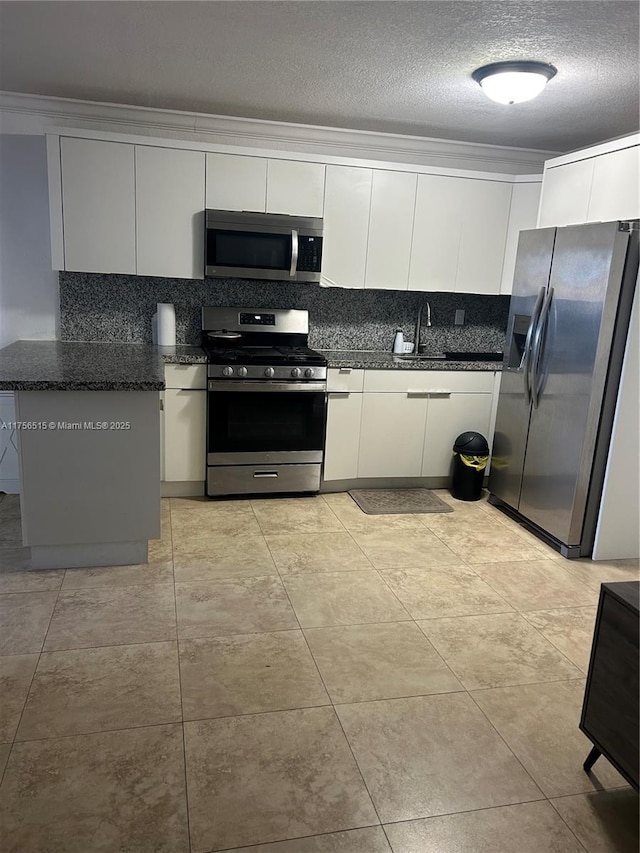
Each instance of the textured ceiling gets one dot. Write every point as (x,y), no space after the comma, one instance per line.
(400,67)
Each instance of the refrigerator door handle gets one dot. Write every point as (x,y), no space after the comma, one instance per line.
(536,386)
(526,358)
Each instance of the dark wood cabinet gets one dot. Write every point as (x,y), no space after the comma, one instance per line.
(610,709)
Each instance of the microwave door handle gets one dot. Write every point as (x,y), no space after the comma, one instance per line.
(294,253)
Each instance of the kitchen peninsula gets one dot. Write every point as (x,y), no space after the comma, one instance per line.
(89,449)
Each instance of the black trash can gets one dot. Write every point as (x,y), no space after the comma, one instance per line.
(471,455)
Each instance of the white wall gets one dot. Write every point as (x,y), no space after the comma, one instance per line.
(28,285)
(617,535)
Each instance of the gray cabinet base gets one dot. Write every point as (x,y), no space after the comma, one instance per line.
(95,554)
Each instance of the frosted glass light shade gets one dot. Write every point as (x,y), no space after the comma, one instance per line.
(513,82)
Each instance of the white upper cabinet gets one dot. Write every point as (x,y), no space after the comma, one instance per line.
(236,183)
(295,188)
(459,234)
(436,233)
(98,205)
(260,185)
(346,225)
(485,217)
(599,188)
(523,214)
(169,212)
(393,197)
(615,191)
(565,194)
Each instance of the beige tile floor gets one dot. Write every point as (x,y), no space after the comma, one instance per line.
(293,676)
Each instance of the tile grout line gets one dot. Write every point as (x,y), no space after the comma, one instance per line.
(484,714)
(552,804)
(35,669)
(344,734)
(184,741)
(297,838)
(332,706)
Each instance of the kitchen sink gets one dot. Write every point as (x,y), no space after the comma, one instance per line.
(422,357)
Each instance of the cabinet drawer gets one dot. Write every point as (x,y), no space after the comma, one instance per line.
(345,379)
(185,376)
(429,381)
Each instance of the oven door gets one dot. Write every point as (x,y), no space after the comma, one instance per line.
(262,422)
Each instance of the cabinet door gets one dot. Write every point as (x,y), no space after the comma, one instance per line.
(392,434)
(184,435)
(523,214)
(344,411)
(98,205)
(614,191)
(447,417)
(436,233)
(346,225)
(9,472)
(390,230)
(169,212)
(295,188)
(565,194)
(483,235)
(236,183)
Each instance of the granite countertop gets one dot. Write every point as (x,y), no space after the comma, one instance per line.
(80,366)
(182,354)
(88,366)
(372,360)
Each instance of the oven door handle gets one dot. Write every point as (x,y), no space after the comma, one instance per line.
(263,387)
(294,253)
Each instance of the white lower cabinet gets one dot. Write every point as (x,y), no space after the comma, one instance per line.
(9,469)
(184,423)
(408,422)
(392,434)
(344,412)
(184,435)
(447,417)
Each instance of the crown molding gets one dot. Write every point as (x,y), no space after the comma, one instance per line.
(36,114)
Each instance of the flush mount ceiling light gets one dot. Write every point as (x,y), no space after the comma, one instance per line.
(513,82)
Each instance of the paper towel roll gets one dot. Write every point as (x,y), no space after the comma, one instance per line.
(166,324)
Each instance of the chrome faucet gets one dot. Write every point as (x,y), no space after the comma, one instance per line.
(416,336)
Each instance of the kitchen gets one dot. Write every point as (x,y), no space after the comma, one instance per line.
(374,206)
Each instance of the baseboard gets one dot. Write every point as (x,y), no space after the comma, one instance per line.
(182,489)
(385,483)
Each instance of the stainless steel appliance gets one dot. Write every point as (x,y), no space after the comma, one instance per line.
(262,246)
(568,321)
(266,402)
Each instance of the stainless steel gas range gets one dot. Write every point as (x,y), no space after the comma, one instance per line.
(266,402)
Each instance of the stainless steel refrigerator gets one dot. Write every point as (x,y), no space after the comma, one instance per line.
(568,320)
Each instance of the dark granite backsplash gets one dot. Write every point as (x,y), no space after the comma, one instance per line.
(119,308)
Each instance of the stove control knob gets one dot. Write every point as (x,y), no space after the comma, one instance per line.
(242,371)
(295,372)
(269,372)
(227,371)
(308,372)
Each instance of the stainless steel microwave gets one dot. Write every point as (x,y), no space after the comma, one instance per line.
(262,246)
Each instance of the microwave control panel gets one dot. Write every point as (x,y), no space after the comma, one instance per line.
(309,253)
